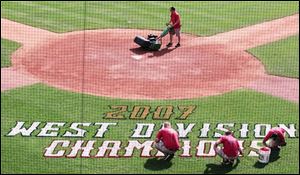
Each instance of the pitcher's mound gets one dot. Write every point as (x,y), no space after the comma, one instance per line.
(108,63)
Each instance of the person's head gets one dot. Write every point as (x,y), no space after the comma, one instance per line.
(227,133)
(274,136)
(167,125)
(172,9)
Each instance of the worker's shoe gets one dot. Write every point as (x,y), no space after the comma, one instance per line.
(177,45)
(168,157)
(169,45)
(227,162)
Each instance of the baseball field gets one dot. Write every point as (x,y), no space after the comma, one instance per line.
(76,62)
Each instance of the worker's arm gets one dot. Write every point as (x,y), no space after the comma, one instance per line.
(169,23)
(267,137)
(240,149)
(217,144)
(158,137)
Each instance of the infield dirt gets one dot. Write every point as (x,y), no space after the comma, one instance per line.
(107,62)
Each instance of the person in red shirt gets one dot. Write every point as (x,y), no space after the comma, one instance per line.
(230,150)
(176,26)
(275,138)
(167,141)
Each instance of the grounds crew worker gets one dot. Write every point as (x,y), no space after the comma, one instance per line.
(167,141)
(275,138)
(230,150)
(176,26)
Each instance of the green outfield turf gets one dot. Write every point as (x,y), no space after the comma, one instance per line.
(201,18)
(7,47)
(41,103)
(281,57)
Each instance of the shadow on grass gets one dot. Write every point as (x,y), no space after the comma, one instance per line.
(220,168)
(274,156)
(156,164)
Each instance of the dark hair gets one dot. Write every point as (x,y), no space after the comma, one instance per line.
(228,132)
(274,136)
(172,8)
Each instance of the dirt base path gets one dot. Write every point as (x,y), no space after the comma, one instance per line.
(108,63)
(24,34)
(255,35)
(287,88)
(14,77)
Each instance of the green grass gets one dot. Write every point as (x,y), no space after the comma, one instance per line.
(7,48)
(280,57)
(201,18)
(42,103)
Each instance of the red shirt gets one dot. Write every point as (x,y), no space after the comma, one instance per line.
(169,137)
(278,131)
(230,146)
(174,18)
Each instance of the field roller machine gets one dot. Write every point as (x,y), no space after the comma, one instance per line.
(153,42)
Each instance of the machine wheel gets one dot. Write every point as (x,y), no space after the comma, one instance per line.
(143,42)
